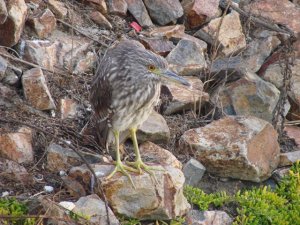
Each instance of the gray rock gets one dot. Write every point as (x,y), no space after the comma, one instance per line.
(241,147)
(118,7)
(11,78)
(164,11)
(3,67)
(187,58)
(196,217)
(288,158)
(193,171)
(279,173)
(3,12)
(139,11)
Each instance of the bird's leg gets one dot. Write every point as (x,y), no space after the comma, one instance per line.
(120,167)
(138,163)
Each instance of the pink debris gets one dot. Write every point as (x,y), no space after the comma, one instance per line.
(136,26)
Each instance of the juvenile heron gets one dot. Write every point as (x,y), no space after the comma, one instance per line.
(125,90)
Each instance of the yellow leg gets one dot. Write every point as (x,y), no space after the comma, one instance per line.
(138,163)
(120,167)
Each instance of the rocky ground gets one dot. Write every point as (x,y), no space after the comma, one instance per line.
(235,127)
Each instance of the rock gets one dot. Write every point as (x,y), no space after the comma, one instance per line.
(241,147)
(13,171)
(230,35)
(11,78)
(42,53)
(43,23)
(249,95)
(196,217)
(278,16)
(164,199)
(139,12)
(158,155)
(36,91)
(17,146)
(73,187)
(293,132)
(288,158)
(164,11)
(99,19)
(167,31)
(180,98)
(60,158)
(93,208)
(85,64)
(12,28)
(3,12)
(279,173)
(68,108)
(158,45)
(6,96)
(154,129)
(197,12)
(274,75)
(193,172)
(187,58)
(58,8)
(118,7)
(3,67)
(100,5)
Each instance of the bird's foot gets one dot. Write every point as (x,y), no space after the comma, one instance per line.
(120,167)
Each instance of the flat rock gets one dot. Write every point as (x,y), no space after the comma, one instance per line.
(99,19)
(288,158)
(13,26)
(197,12)
(154,129)
(58,8)
(61,158)
(241,147)
(159,46)
(230,35)
(164,11)
(138,9)
(93,207)
(180,98)
(164,199)
(3,12)
(288,14)
(249,95)
(43,23)
(17,146)
(117,7)
(196,217)
(36,90)
(156,154)
(273,74)
(193,172)
(187,58)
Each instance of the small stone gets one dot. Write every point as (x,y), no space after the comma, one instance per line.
(154,129)
(58,8)
(11,78)
(3,67)
(48,189)
(93,208)
(196,217)
(3,12)
(68,108)
(100,5)
(85,64)
(180,98)
(67,205)
(7,94)
(164,11)
(167,31)
(241,147)
(74,187)
(43,23)
(230,35)
(288,158)
(13,26)
(17,146)
(193,171)
(293,132)
(280,173)
(198,12)
(99,19)
(139,12)
(158,45)
(117,7)
(156,154)
(60,158)
(36,91)
(187,58)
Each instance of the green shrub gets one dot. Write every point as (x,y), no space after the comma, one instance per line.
(258,206)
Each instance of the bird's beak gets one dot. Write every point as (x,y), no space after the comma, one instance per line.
(174,77)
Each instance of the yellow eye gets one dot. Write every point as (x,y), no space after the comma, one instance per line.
(151,67)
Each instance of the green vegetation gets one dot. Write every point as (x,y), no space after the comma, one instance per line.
(16,210)
(258,206)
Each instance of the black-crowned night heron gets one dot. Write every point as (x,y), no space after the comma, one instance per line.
(124,92)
